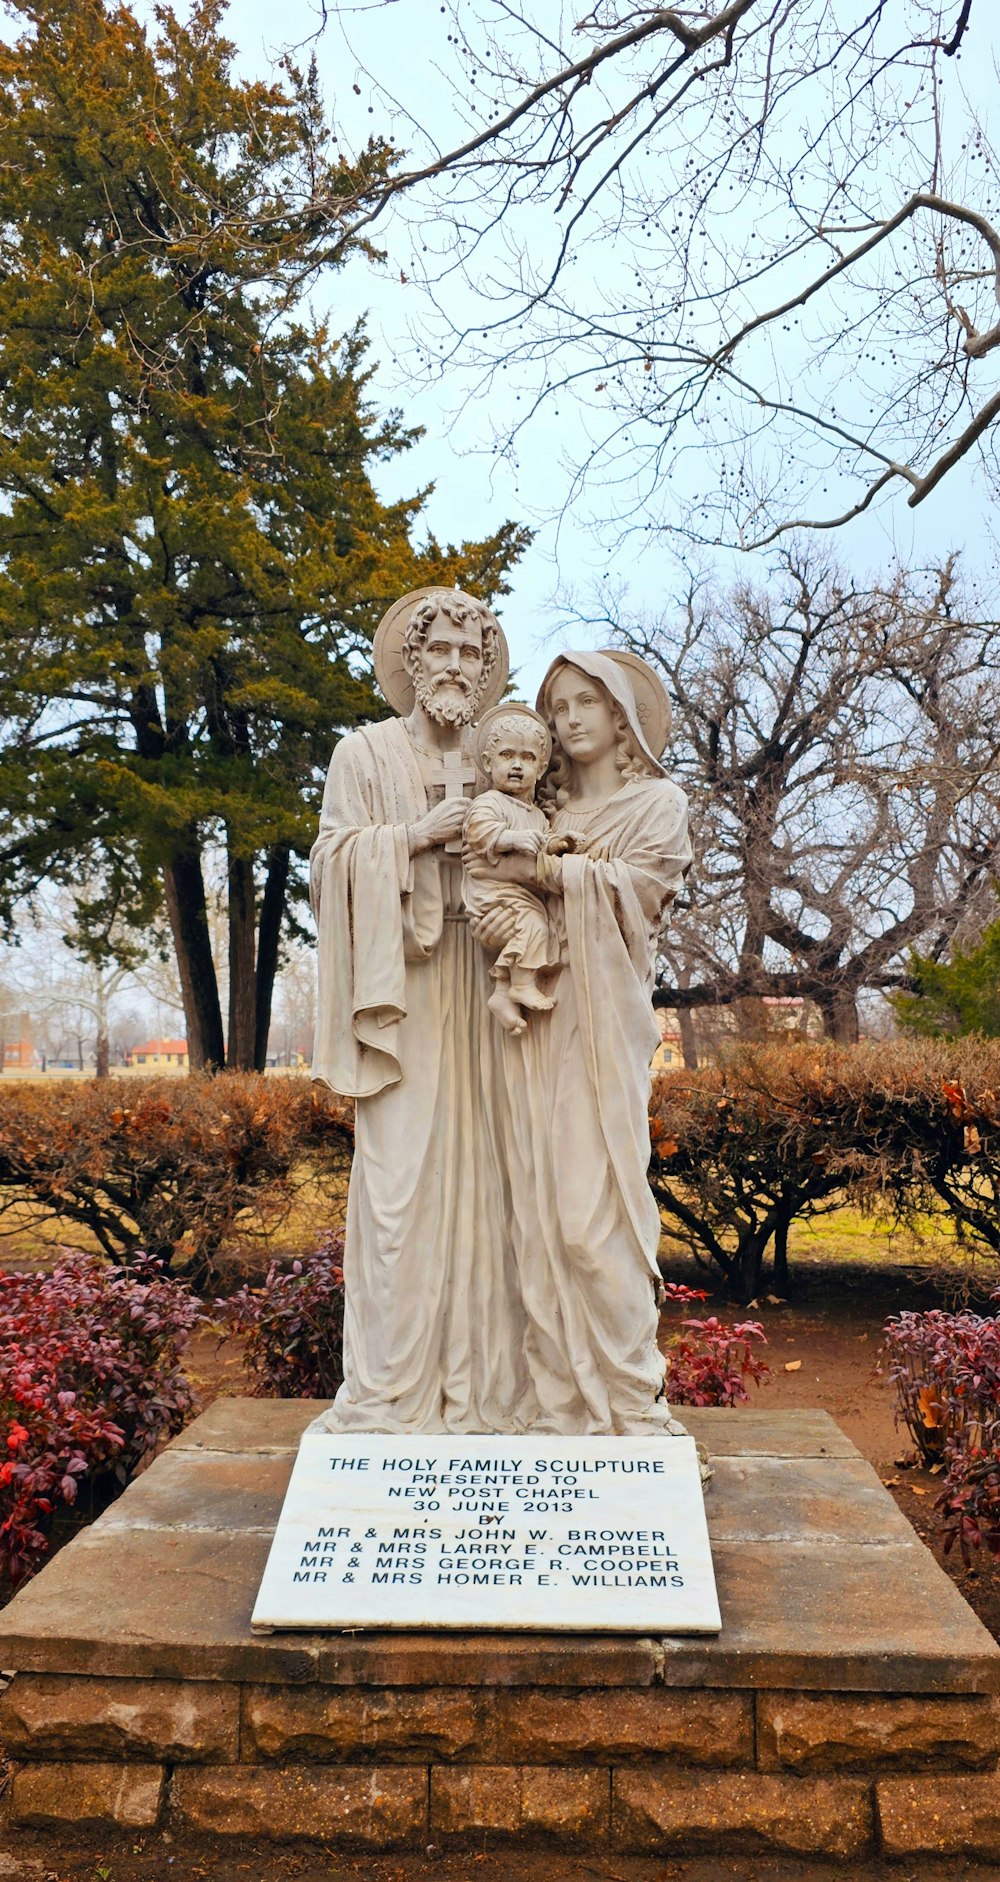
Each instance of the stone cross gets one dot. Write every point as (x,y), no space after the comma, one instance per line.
(453,778)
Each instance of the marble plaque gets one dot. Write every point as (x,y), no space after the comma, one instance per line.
(582,1534)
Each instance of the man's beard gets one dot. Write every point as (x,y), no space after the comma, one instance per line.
(448,700)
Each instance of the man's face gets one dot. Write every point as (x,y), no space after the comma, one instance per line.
(448,668)
(516,766)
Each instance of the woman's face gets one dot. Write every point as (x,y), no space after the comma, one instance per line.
(582,716)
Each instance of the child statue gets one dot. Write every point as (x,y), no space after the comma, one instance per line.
(513,748)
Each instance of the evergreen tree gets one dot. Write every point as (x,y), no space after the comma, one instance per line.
(950,998)
(192,553)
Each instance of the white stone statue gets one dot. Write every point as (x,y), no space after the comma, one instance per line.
(501,1241)
(434,1330)
(513,747)
(585,1225)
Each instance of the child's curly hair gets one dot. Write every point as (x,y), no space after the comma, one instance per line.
(527,726)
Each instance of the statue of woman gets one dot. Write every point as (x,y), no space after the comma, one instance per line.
(585,1225)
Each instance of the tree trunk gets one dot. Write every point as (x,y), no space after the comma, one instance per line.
(751,1248)
(272,911)
(184,889)
(839,1008)
(750,1262)
(242,932)
(781,1256)
(689,1042)
(102,1050)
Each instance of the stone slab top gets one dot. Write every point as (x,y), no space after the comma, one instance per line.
(823,1584)
(247,1425)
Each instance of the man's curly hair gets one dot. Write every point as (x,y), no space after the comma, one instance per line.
(459,608)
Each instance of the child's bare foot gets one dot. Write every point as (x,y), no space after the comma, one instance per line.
(527,993)
(509,1014)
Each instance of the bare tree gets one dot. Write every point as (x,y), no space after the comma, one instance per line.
(842,753)
(757,244)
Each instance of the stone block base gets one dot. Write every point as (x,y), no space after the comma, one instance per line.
(847,1709)
(46,1796)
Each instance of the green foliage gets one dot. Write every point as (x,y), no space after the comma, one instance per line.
(193,556)
(951,998)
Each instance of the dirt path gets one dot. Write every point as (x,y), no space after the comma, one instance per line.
(155,1859)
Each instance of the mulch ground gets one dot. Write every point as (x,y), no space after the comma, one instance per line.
(129,1861)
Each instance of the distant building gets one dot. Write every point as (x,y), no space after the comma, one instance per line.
(669,1053)
(159,1054)
(19,1046)
(791,1013)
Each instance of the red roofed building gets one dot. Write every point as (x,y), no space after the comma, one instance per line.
(159,1054)
(669,1053)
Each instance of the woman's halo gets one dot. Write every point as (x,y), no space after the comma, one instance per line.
(652,701)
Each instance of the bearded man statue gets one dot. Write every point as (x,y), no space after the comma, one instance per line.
(433,1328)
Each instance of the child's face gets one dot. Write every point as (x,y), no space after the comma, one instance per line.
(516,766)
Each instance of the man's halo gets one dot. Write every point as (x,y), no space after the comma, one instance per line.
(394,682)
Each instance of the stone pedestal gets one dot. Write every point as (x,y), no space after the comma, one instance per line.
(846,1707)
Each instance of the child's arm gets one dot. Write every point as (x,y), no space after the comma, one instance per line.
(520,843)
(488,836)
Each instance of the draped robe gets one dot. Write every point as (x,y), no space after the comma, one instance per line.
(433,1328)
(585,1224)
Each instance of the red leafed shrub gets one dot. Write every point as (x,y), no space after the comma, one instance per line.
(293,1326)
(90,1381)
(170,1167)
(946,1368)
(710,1362)
(969,1503)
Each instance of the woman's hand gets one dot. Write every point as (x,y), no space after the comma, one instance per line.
(520,869)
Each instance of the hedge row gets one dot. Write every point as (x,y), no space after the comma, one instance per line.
(172,1167)
(781,1132)
(177,1167)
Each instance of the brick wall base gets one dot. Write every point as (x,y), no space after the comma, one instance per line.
(837,1775)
